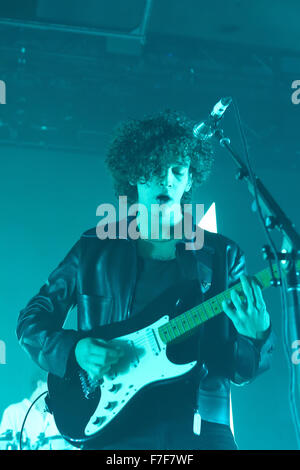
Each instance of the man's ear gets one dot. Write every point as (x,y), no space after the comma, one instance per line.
(141,180)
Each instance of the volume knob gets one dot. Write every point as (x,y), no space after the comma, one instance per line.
(99,420)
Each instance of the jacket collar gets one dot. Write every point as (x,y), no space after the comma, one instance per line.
(195,262)
(123,227)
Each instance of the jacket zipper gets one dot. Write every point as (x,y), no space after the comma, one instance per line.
(129,306)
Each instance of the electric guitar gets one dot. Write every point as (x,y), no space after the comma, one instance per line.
(86,410)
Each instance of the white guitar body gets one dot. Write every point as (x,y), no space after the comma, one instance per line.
(145,362)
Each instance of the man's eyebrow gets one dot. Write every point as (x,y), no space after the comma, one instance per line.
(185,164)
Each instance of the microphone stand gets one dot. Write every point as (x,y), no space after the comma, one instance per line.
(275,218)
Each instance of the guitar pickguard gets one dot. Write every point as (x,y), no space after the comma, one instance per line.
(145,361)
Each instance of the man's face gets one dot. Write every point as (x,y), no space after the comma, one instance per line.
(164,192)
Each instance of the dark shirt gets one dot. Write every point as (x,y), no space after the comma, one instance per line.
(153,278)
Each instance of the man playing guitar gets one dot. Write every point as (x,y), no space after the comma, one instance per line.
(155,162)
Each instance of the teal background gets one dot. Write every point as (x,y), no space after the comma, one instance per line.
(65,94)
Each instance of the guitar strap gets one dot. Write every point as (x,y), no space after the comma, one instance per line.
(213,403)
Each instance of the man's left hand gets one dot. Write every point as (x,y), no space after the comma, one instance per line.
(250,317)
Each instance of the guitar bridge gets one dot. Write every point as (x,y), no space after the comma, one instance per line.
(88,384)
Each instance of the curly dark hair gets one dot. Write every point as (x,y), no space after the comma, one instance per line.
(140,149)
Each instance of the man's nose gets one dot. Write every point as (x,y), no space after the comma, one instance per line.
(166,178)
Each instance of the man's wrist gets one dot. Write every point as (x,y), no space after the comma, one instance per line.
(262,335)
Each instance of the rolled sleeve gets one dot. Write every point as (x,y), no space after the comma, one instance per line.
(251,357)
(40,324)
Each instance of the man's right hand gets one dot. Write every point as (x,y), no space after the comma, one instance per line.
(96,356)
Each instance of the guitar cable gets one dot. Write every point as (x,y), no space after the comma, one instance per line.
(28,411)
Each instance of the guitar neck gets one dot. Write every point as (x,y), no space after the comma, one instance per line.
(189,321)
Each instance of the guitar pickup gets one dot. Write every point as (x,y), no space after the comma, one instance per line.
(111,375)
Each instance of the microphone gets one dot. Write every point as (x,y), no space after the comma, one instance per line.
(206,129)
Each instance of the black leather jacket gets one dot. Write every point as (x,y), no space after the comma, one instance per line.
(98,276)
